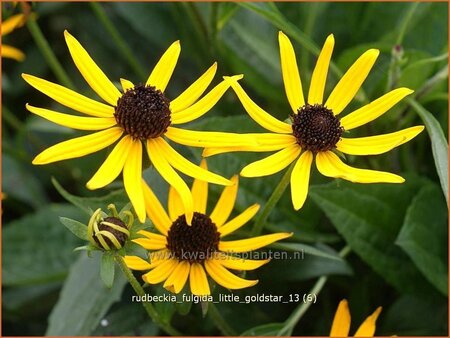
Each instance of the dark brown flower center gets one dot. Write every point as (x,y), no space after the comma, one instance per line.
(143,112)
(316,128)
(193,243)
(120,236)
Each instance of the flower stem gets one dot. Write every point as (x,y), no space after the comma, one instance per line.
(220,322)
(298,313)
(152,313)
(273,200)
(124,49)
(48,54)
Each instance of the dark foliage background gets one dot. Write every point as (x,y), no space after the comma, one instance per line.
(397,233)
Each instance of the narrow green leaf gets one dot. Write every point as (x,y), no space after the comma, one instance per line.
(89,204)
(75,227)
(424,236)
(271,329)
(84,299)
(306,249)
(107,269)
(278,20)
(439,144)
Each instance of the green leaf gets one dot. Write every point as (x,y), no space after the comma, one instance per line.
(84,299)
(369,217)
(439,145)
(306,249)
(271,329)
(270,13)
(424,236)
(295,268)
(107,269)
(89,204)
(75,227)
(183,307)
(415,316)
(165,309)
(36,248)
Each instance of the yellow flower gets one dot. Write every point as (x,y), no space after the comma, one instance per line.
(139,118)
(8,26)
(342,319)
(185,251)
(316,130)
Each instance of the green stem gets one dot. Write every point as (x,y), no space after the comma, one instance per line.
(273,200)
(220,322)
(298,313)
(405,22)
(397,51)
(152,313)
(124,49)
(48,54)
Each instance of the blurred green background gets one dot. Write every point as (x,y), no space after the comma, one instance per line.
(397,233)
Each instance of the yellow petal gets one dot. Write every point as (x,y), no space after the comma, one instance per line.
(132,179)
(126,85)
(260,116)
(112,166)
(199,192)
(239,220)
(198,281)
(204,139)
(378,144)
(12,23)
(202,106)
(12,53)
(225,278)
(136,263)
(273,163)
(166,171)
(152,241)
(161,272)
(155,210)
(291,76)
(244,245)
(177,279)
(69,98)
(175,204)
(341,321)
(163,70)
(180,163)
(266,142)
(330,165)
(225,204)
(367,328)
(79,146)
(71,121)
(352,80)
(93,75)
(374,109)
(319,76)
(193,92)
(236,263)
(300,179)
